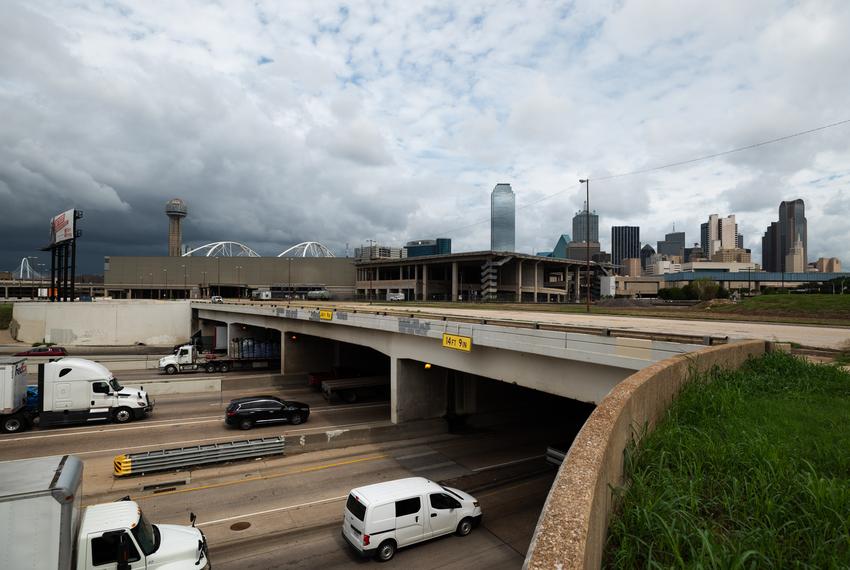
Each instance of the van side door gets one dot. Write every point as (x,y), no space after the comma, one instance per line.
(443,512)
(409,521)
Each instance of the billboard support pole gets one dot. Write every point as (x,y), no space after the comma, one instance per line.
(73,247)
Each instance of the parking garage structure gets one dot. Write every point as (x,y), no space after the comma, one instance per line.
(479,276)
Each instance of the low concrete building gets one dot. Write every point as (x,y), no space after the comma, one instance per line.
(199,277)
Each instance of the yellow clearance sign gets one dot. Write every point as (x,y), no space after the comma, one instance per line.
(326,315)
(457,342)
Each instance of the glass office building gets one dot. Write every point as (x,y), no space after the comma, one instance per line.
(502,218)
(625,244)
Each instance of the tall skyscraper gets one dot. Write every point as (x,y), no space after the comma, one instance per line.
(502,218)
(580,221)
(718,233)
(792,229)
(673,244)
(625,244)
(787,234)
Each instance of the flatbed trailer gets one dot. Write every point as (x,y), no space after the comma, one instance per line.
(352,389)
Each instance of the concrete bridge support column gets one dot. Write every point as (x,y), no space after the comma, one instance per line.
(578,284)
(454,281)
(424,282)
(519,281)
(417,393)
(416,290)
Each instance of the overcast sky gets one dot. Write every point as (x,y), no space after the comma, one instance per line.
(280,122)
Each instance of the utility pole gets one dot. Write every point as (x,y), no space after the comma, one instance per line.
(586,183)
(371,257)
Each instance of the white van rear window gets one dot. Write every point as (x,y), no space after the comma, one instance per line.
(356,508)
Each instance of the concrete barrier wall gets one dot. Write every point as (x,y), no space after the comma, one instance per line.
(107,323)
(573,525)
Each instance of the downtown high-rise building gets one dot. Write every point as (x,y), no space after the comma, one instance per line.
(787,236)
(581,221)
(625,244)
(502,218)
(673,244)
(718,233)
(646,252)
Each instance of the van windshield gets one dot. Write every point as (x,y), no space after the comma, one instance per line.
(115,385)
(356,508)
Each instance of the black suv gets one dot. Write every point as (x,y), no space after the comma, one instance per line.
(258,410)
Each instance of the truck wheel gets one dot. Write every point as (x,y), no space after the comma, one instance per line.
(246,424)
(464,527)
(385,551)
(14,424)
(171,369)
(225,367)
(210,368)
(122,415)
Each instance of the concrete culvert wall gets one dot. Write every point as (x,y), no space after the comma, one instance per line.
(573,525)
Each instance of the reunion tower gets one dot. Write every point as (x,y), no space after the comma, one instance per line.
(175,209)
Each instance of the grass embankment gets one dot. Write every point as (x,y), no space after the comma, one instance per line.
(5,315)
(751,469)
(780,308)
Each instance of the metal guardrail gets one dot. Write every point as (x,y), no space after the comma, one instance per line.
(181,457)
(555,456)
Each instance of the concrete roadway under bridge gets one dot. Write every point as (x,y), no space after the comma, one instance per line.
(575,365)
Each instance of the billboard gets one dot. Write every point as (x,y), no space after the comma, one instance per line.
(62,227)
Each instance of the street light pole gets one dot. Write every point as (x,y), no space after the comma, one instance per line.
(166,283)
(586,182)
(371,257)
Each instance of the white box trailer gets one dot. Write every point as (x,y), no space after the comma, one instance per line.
(43,526)
(13,385)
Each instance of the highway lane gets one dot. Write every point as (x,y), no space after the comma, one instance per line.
(292,506)
(510,515)
(183,419)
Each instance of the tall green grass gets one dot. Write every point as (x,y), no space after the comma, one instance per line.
(750,469)
(5,315)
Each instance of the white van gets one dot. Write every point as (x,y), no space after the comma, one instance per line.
(383,517)
(395,297)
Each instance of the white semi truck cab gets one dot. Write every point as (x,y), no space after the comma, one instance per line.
(44,525)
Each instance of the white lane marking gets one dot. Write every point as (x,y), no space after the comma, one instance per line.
(508,463)
(436,466)
(277,510)
(411,456)
(226,437)
(172,423)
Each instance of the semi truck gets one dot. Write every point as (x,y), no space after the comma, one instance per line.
(70,391)
(243,354)
(45,526)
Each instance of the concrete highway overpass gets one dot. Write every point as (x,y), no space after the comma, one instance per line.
(580,365)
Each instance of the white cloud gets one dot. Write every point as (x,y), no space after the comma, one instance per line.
(394,121)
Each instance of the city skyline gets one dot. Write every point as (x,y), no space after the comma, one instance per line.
(342,123)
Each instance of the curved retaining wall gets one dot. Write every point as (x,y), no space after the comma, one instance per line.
(573,525)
